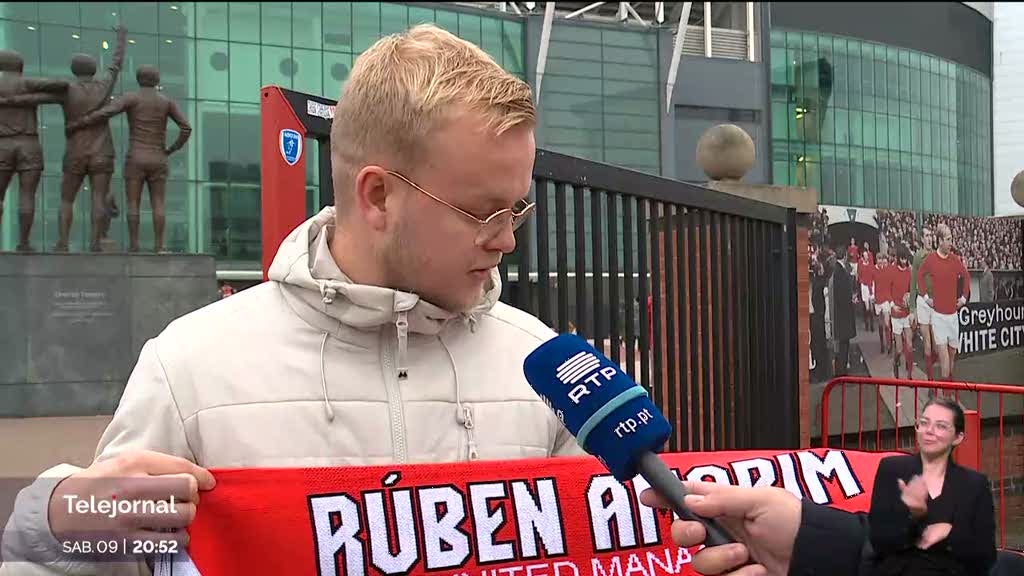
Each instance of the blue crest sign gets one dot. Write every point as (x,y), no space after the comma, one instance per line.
(291,146)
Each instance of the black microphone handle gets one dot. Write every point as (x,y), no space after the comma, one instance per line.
(665,483)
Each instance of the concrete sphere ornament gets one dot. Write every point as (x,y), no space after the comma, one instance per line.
(1017,188)
(725,152)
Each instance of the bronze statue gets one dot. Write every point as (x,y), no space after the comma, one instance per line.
(146,160)
(88,152)
(20,151)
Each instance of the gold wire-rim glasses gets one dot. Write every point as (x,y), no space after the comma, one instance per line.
(490,227)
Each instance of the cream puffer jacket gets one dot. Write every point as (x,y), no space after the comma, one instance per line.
(310,369)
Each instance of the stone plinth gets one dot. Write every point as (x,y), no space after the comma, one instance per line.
(804,200)
(74,324)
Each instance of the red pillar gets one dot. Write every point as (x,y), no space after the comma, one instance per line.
(282,172)
(969,452)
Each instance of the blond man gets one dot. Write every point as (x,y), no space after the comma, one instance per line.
(379,337)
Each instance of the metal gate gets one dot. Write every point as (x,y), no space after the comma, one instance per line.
(692,290)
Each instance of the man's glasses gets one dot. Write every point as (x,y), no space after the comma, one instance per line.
(490,227)
(925,424)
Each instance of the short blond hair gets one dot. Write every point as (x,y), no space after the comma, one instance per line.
(406,85)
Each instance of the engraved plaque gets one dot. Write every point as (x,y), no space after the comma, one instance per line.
(81,306)
(75,330)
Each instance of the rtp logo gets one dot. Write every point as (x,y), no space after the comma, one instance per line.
(291,146)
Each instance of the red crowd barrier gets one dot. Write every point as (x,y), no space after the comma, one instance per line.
(970,451)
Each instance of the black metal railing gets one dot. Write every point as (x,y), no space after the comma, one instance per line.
(692,290)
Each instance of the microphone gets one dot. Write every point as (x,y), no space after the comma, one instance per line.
(611,417)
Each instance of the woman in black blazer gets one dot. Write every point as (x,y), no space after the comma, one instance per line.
(930,516)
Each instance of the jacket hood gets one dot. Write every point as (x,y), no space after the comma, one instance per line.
(306,270)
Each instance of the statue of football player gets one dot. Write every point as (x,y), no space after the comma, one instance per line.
(146,160)
(20,152)
(88,152)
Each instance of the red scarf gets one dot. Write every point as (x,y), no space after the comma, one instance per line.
(546,517)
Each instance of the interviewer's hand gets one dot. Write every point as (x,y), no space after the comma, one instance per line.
(137,480)
(763,521)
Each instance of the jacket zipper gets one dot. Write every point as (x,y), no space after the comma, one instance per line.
(402,327)
(467,422)
(391,369)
